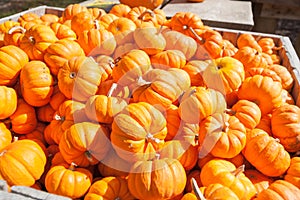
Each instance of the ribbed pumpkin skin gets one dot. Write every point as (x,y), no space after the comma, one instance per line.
(280,190)
(262,150)
(147,179)
(22,163)
(8,99)
(12,60)
(5,136)
(151,4)
(218,191)
(285,123)
(71,182)
(37,83)
(109,188)
(293,173)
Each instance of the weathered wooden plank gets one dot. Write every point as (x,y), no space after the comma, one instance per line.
(11,196)
(3,186)
(280,2)
(36,194)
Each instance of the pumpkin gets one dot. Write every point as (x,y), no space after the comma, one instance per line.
(138,131)
(6,136)
(8,99)
(252,58)
(83,21)
(71,10)
(221,135)
(63,31)
(186,153)
(49,18)
(285,126)
(149,39)
(151,4)
(75,79)
(247,39)
(144,17)
(6,26)
(36,134)
(264,72)
(60,52)
(263,91)
(199,102)
(103,108)
(168,59)
(124,49)
(293,173)
(113,165)
(247,112)
(109,187)
(280,189)
(36,40)
(120,10)
(225,173)
(173,121)
(22,162)
(260,181)
(265,124)
(68,113)
(287,80)
(187,23)
(70,182)
(12,60)
(130,67)
(45,113)
(267,45)
(57,98)
(84,143)
(14,35)
(195,69)
(237,160)
(218,191)
(224,74)
(96,42)
(178,41)
(24,119)
(189,196)
(266,154)
(147,179)
(122,28)
(163,87)
(192,174)
(36,83)
(106,20)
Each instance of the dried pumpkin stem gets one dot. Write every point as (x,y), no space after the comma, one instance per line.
(72,166)
(230,111)
(58,118)
(200,39)
(112,89)
(196,190)
(238,170)
(148,11)
(88,156)
(149,136)
(16,28)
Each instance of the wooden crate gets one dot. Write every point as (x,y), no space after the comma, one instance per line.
(287,54)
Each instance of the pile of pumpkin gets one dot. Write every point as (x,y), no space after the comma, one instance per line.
(128,104)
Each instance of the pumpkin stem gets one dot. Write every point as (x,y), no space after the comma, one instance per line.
(230,111)
(97,24)
(3,152)
(72,75)
(200,39)
(112,89)
(59,118)
(196,190)
(148,11)
(118,198)
(277,48)
(32,40)
(141,81)
(16,28)
(72,166)
(238,170)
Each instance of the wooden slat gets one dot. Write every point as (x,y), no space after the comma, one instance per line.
(279,2)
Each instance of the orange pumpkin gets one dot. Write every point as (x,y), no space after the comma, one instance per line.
(84,143)
(120,10)
(260,181)
(151,4)
(71,182)
(247,39)
(8,100)
(79,78)
(109,187)
(293,173)
(221,135)
(12,60)
(280,189)
(63,31)
(266,154)
(225,173)
(36,40)
(6,136)
(22,162)
(122,28)
(285,126)
(263,91)
(148,184)
(135,134)
(71,10)
(36,83)
(168,59)
(24,119)
(195,69)
(60,52)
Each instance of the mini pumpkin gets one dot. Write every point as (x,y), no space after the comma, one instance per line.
(293,173)
(9,101)
(6,136)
